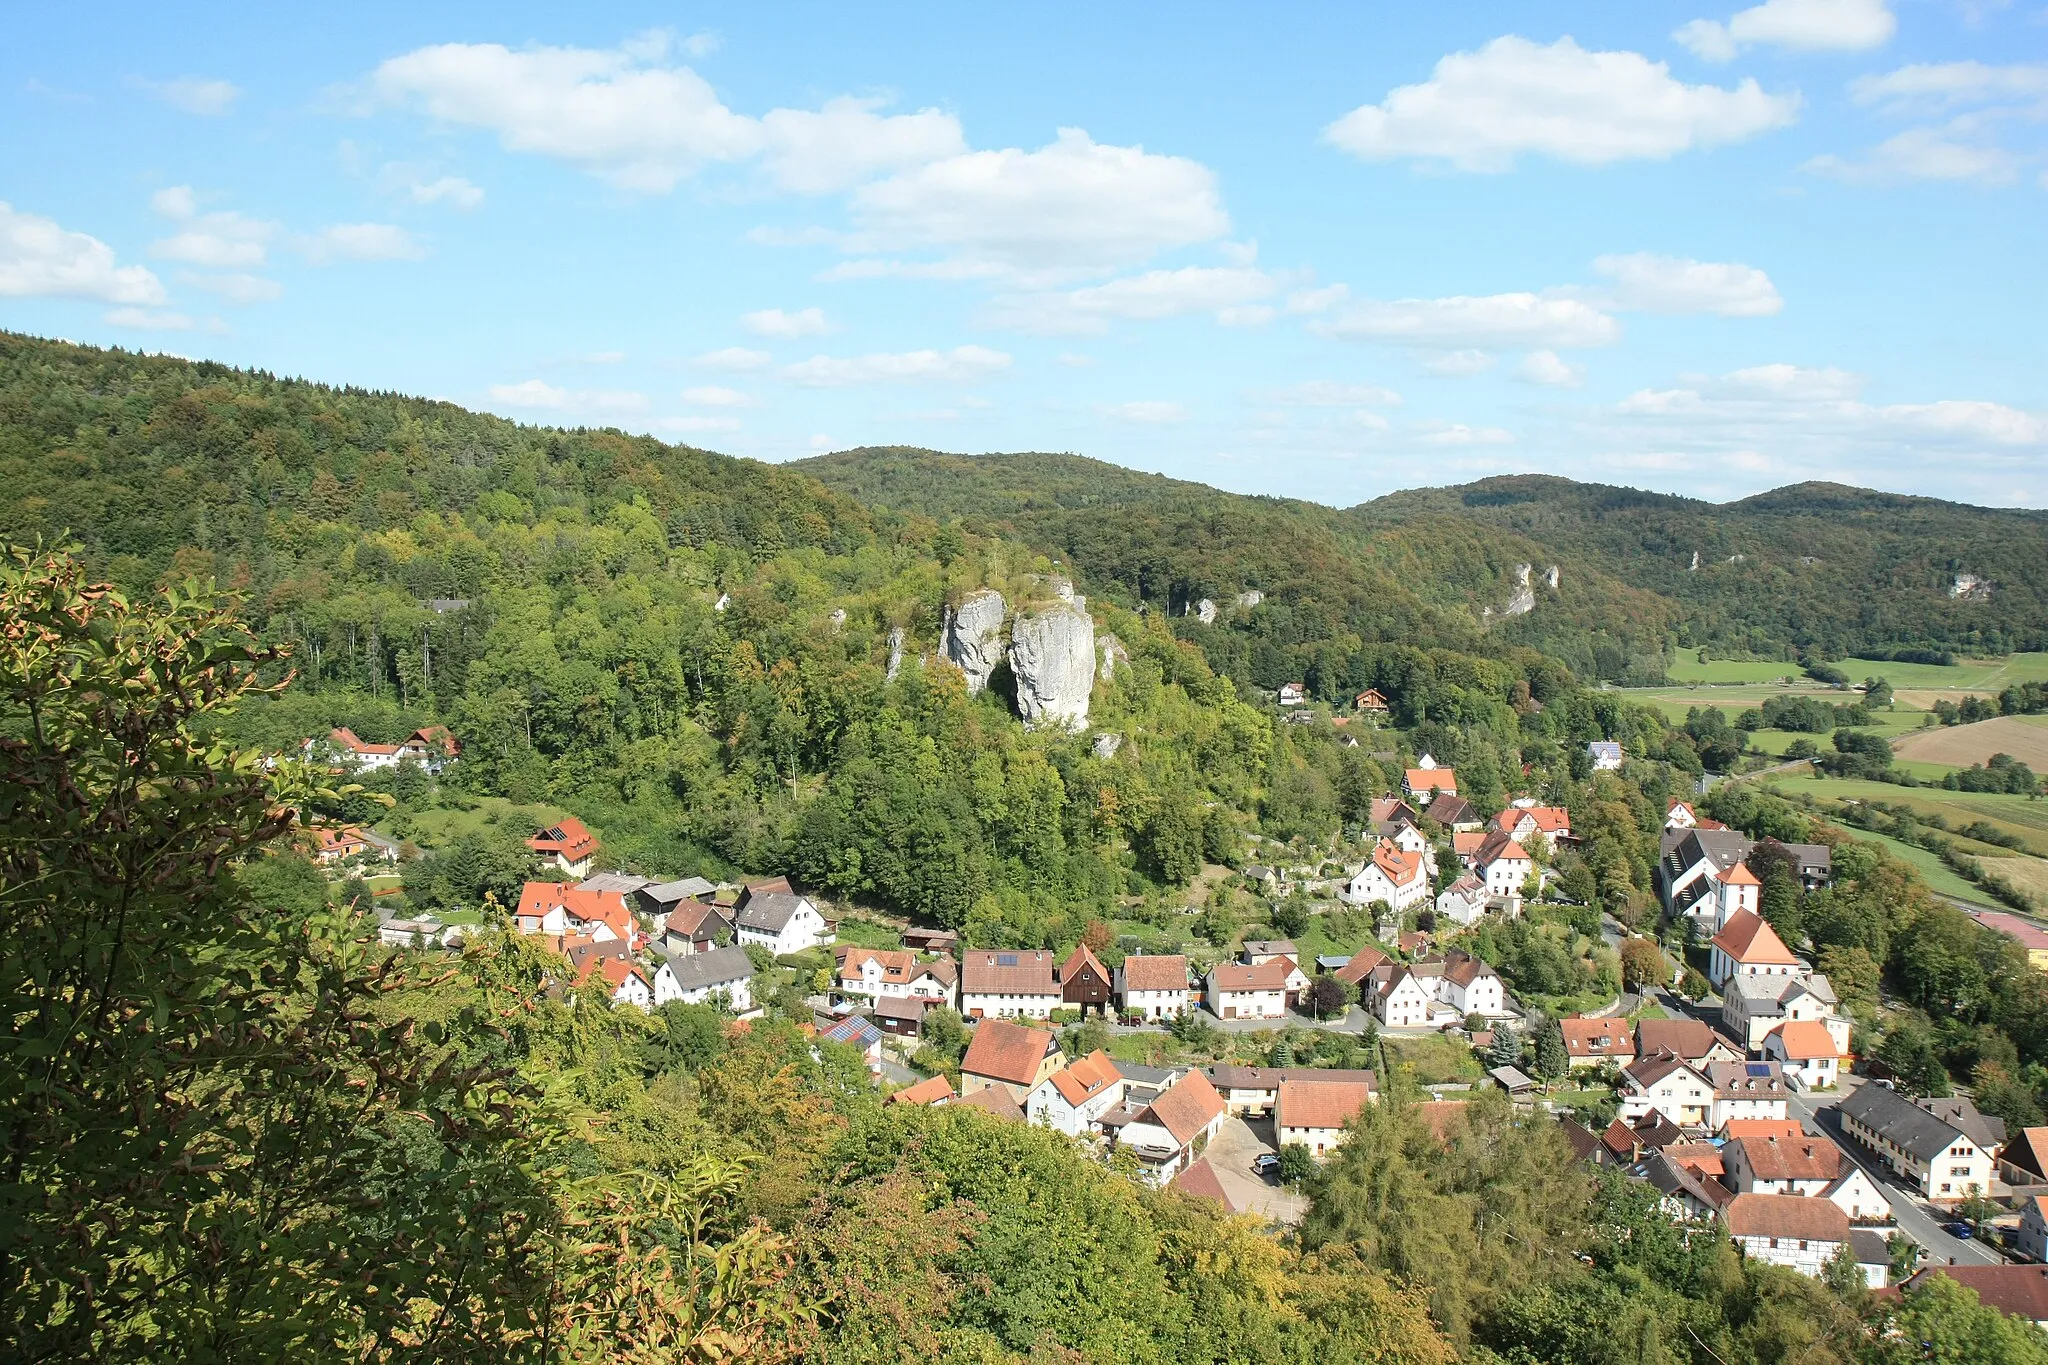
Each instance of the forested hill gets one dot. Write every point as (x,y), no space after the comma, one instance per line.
(1811,566)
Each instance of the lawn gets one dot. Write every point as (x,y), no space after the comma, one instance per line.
(1975,675)
(1687,668)
(1650,1011)
(1435,1057)
(867,933)
(443,825)
(1891,724)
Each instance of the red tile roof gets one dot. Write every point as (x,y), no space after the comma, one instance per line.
(1786,1215)
(1432,779)
(1787,1129)
(1199,1179)
(1004,971)
(1165,972)
(1083,1080)
(1009,1052)
(1079,961)
(1805,1040)
(2019,1291)
(1270,975)
(932,1090)
(1597,1038)
(1748,939)
(1186,1107)
(1361,964)
(568,837)
(1800,1158)
(1319,1104)
(1738,875)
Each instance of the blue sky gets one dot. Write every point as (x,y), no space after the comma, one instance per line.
(1696,247)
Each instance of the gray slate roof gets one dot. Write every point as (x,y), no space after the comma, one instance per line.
(719,967)
(769,912)
(1900,1120)
(625,883)
(686,888)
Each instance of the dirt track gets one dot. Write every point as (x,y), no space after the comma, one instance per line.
(1958,746)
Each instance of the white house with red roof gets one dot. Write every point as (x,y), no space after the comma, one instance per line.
(1426,779)
(1241,991)
(1503,865)
(873,974)
(1463,901)
(1530,823)
(555,908)
(1667,1085)
(1807,1050)
(1164,1133)
(1074,1098)
(1316,1114)
(1153,986)
(568,844)
(1747,945)
(1400,879)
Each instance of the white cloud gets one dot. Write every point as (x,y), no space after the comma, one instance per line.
(1317,300)
(235,287)
(361,242)
(1948,84)
(717,396)
(451,190)
(773,322)
(733,358)
(1493,319)
(1246,315)
(1074,360)
(1147,412)
(1668,284)
(1075,205)
(961,365)
(195,96)
(1993,422)
(1217,290)
(1480,110)
(1458,434)
(1799,25)
(1328,393)
(540,395)
(1786,381)
(821,442)
(1953,153)
(223,240)
(1459,364)
(1551,369)
(626,116)
(144,320)
(39,259)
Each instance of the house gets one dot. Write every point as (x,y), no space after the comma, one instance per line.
(1773,1165)
(1256,1089)
(2031,1240)
(1199,1179)
(1237,991)
(1687,1193)
(1606,755)
(1814,863)
(1463,901)
(1076,1096)
(1746,1090)
(695,927)
(1503,865)
(2018,1291)
(1469,986)
(2029,936)
(1594,1042)
(342,747)
(1153,987)
(1433,994)
(1667,1085)
(1689,853)
(1529,823)
(1408,837)
(1723,893)
(903,1015)
(1856,1194)
(995,1101)
(1358,971)
(1785,1229)
(1316,1113)
(555,909)
(422,933)
(856,1032)
(931,1090)
(1753,1006)
(1426,779)
(1002,983)
(870,974)
(1680,816)
(1085,982)
(1015,1057)
(722,974)
(1391,809)
(780,921)
(661,899)
(1168,1132)
(1372,700)
(1455,813)
(1924,1151)
(1466,845)
(1806,1049)
(943,942)
(568,844)
(1689,1039)
(1293,694)
(1398,878)
(1259,951)
(2025,1159)
(1406,999)
(335,843)
(624,981)
(1748,946)
(1960,1112)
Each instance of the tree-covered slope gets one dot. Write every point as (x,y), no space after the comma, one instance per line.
(1810,566)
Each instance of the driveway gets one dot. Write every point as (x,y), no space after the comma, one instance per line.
(1230,1155)
(1917,1219)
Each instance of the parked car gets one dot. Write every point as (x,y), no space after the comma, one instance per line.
(1266,1163)
(1959,1231)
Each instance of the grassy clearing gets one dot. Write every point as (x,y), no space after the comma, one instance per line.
(1938,875)
(1687,668)
(443,825)
(2028,874)
(1958,746)
(866,933)
(1436,1058)
(1976,675)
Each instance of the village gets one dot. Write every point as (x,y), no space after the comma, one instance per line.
(1741,1106)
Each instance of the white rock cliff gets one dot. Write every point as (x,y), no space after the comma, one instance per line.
(973,638)
(1052,654)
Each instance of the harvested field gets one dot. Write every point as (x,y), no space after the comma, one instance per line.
(1958,746)
(2028,874)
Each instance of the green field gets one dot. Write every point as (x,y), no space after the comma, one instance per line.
(1687,668)
(1986,675)
(2023,817)
(441,826)
(1890,724)
(1938,875)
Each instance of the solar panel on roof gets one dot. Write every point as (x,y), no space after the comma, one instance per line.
(1006,959)
(1757,1068)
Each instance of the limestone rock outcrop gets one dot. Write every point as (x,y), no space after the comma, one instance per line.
(1249,598)
(1205,611)
(895,653)
(973,637)
(1052,654)
(1113,651)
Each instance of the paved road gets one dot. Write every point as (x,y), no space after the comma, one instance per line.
(1230,1156)
(1915,1218)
